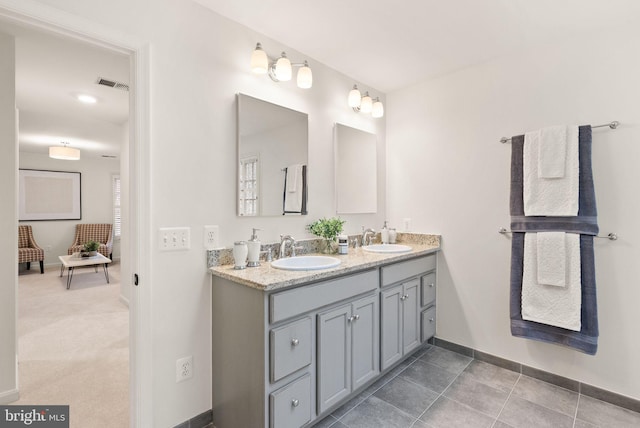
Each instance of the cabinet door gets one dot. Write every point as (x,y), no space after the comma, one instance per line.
(334,356)
(410,316)
(364,338)
(391,326)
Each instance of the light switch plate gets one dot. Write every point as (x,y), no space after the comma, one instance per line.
(174,238)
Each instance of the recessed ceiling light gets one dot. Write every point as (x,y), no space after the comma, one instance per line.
(87,99)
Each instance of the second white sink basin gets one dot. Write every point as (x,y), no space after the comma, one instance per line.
(387,248)
(306,263)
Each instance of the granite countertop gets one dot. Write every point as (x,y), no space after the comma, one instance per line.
(266,278)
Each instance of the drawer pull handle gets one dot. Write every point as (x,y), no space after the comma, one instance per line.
(295,342)
(295,403)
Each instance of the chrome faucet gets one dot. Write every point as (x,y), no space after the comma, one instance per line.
(283,245)
(368,235)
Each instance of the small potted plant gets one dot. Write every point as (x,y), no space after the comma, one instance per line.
(90,249)
(329,229)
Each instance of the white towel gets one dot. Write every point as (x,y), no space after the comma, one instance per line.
(551,251)
(293,195)
(547,304)
(550,196)
(552,152)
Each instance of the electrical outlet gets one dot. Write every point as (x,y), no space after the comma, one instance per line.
(211,237)
(407,224)
(174,238)
(184,368)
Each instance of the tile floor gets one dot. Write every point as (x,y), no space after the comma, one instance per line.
(439,388)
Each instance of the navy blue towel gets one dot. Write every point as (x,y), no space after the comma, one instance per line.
(585,223)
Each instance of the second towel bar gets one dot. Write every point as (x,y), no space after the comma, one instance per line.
(612,236)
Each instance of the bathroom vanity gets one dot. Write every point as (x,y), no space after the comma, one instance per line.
(291,346)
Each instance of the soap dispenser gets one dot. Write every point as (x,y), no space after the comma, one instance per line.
(384,233)
(253,245)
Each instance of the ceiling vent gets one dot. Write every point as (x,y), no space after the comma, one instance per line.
(112,84)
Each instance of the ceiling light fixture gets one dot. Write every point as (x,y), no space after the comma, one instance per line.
(87,99)
(280,69)
(64,152)
(364,103)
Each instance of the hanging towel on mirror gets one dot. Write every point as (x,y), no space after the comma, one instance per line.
(295,190)
(585,224)
(556,195)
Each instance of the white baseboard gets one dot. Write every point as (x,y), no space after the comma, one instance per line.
(10,396)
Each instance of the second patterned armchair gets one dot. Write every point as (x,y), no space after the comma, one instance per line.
(28,250)
(102,233)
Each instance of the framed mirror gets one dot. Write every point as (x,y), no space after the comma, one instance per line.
(356,171)
(272,150)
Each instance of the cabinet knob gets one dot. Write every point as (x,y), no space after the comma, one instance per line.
(431,320)
(404,297)
(351,318)
(431,285)
(295,342)
(295,403)
(356,317)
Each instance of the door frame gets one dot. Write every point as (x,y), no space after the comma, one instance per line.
(42,17)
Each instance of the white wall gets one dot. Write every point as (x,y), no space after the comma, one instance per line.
(8,221)
(96,200)
(444,134)
(199,62)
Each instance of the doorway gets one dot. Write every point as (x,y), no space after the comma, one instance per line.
(134,170)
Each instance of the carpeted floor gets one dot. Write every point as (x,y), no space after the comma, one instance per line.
(74,345)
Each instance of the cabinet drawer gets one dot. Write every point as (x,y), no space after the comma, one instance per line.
(289,303)
(290,348)
(428,289)
(428,323)
(403,270)
(290,406)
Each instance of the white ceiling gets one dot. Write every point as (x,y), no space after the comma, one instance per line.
(384,44)
(50,72)
(390,44)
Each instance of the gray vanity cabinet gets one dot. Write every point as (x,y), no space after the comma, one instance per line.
(347,349)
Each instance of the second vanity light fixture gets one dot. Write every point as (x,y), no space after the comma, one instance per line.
(364,103)
(280,70)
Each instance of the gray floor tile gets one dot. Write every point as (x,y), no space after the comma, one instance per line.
(349,405)
(491,375)
(374,412)
(604,414)
(448,360)
(326,422)
(547,395)
(420,424)
(407,396)
(445,413)
(433,377)
(387,377)
(582,424)
(466,390)
(500,424)
(525,414)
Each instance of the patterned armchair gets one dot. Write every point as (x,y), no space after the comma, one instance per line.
(101,233)
(28,250)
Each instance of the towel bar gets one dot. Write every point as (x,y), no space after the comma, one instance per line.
(612,125)
(612,236)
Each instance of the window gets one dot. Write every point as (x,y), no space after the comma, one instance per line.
(117,210)
(248,186)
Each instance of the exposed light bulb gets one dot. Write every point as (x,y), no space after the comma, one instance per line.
(354,97)
(259,60)
(283,68)
(377,110)
(366,105)
(305,77)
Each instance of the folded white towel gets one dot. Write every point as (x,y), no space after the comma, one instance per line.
(550,196)
(552,152)
(293,195)
(551,251)
(546,304)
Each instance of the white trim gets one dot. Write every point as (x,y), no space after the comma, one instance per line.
(9,396)
(41,16)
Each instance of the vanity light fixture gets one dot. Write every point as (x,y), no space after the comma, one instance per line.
(64,152)
(364,103)
(280,69)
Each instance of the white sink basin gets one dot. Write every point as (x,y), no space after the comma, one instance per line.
(306,263)
(387,248)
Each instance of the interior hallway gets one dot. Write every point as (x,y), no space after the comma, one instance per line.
(74,345)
